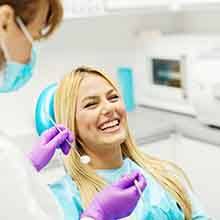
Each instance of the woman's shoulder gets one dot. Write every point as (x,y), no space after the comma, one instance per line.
(132,166)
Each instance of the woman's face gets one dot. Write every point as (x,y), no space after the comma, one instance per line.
(100,115)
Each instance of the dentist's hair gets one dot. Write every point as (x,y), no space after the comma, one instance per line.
(28,9)
(88,182)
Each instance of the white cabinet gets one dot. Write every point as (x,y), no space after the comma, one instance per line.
(201,162)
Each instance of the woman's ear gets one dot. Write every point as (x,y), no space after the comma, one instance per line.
(6,18)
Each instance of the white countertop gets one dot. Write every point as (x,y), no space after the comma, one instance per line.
(150,124)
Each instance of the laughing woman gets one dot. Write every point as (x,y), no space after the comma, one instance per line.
(89,104)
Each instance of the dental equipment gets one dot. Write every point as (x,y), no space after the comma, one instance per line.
(139,190)
(83,159)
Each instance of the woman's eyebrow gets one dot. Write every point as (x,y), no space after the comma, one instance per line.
(110,91)
(89,98)
(96,97)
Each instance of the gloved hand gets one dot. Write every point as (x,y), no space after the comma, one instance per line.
(51,139)
(117,200)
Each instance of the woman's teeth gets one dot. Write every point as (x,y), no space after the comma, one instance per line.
(110,124)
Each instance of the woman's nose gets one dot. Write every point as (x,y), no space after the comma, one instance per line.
(107,109)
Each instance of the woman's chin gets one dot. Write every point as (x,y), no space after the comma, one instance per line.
(115,139)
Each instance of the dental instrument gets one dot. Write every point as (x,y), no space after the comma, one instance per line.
(137,186)
(83,159)
(139,190)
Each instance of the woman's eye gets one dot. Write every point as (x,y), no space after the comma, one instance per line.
(114,98)
(92,104)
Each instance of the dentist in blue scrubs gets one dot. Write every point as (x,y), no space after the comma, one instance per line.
(22,194)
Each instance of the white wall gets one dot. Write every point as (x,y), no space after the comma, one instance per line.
(106,42)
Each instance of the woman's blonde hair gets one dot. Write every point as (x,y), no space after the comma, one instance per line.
(27,10)
(87,181)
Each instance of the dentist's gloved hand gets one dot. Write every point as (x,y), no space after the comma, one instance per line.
(50,140)
(117,200)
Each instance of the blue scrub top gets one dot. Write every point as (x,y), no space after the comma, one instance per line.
(159,204)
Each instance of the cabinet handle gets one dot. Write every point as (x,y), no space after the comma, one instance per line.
(183,70)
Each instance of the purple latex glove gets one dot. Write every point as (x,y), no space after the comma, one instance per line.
(51,139)
(117,200)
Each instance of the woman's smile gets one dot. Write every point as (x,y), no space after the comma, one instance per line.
(110,126)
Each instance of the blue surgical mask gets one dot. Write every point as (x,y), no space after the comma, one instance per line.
(15,75)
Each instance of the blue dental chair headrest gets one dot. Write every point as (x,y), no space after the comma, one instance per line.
(45,107)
